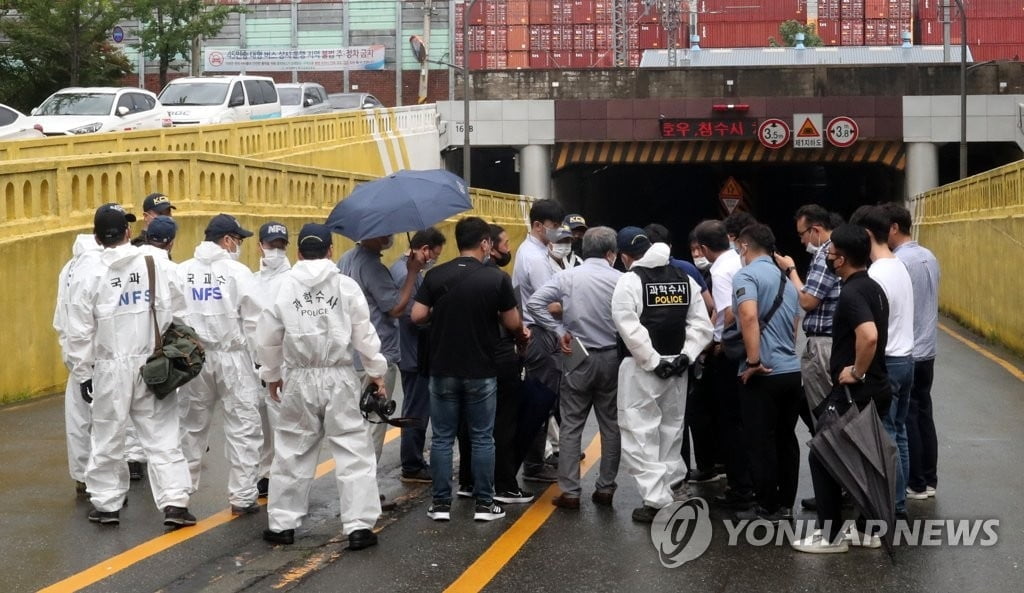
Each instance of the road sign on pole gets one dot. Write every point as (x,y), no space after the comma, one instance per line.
(842,131)
(807,130)
(773,133)
(117,35)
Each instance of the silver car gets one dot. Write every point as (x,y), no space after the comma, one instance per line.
(341,101)
(302,98)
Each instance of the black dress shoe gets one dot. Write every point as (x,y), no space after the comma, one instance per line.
(645,514)
(361,538)
(733,500)
(135,471)
(603,498)
(262,487)
(811,504)
(285,537)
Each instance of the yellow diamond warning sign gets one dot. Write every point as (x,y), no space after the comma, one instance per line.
(808,130)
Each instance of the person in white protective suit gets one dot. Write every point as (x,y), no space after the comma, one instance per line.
(109,336)
(307,339)
(220,296)
(273,264)
(77,413)
(664,325)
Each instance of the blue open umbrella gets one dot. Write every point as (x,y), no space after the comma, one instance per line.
(401,202)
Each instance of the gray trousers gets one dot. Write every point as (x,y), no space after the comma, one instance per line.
(593,384)
(814,369)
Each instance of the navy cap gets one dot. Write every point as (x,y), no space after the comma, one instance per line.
(225,224)
(111,221)
(575,221)
(157,201)
(272,231)
(161,229)
(314,234)
(560,234)
(633,241)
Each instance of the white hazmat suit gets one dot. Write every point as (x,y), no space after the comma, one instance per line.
(317,322)
(220,297)
(271,271)
(109,336)
(650,408)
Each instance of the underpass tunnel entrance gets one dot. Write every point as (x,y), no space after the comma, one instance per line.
(680,195)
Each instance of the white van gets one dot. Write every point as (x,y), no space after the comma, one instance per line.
(220,99)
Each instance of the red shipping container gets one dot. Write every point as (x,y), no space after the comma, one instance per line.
(721,11)
(562,37)
(985,9)
(518,12)
(561,59)
(477,60)
(605,59)
(561,12)
(633,38)
(583,59)
(459,12)
(604,37)
(540,37)
(651,36)
(750,34)
(828,10)
(540,59)
(635,13)
(851,9)
(518,59)
(495,12)
(997,51)
(497,39)
(876,9)
(540,12)
(476,15)
(583,37)
(582,11)
(518,38)
(603,11)
(497,60)
(477,38)
(633,59)
(979,31)
(828,30)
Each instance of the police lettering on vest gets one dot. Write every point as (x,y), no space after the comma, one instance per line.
(666,292)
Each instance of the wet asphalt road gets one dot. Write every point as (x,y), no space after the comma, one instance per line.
(46,537)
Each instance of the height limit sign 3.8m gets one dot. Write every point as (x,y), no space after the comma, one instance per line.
(842,131)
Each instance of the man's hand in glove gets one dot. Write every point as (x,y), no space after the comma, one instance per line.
(87,391)
(665,369)
(681,365)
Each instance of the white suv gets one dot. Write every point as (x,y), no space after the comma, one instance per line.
(14,125)
(303,98)
(79,110)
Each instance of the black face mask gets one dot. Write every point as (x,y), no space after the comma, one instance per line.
(501,259)
(830,265)
(577,246)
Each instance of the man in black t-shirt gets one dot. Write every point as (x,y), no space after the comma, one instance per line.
(460,299)
(859,335)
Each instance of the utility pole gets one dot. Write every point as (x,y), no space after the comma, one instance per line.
(963,87)
(466,164)
(671,18)
(424,70)
(620,33)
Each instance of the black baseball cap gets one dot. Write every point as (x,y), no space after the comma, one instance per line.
(272,231)
(225,224)
(575,221)
(159,202)
(314,233)
(632,241)
(111,221)
(161,229)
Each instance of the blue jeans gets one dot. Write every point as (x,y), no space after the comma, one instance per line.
(901,379)
(415,404)
(474,401)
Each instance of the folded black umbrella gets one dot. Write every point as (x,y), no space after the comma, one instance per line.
(855,449)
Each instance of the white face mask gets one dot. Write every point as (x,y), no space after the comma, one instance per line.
(429,264)
(702,263)
(560,250)
(812,248)
(237,253)
(274,258)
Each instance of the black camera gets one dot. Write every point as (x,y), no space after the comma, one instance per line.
(369,403)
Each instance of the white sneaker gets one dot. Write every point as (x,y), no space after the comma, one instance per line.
(915,495)
(930,491)
(818,544)
(861,540)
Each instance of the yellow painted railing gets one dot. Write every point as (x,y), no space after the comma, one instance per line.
(975,227)
(45,203)
(263,139)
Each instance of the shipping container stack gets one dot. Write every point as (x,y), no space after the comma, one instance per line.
(728,23)
(995,28)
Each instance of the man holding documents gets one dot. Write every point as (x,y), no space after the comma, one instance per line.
(590,369)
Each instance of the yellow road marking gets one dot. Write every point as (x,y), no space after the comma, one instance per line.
(508,545)
(156,545)
(1010,368)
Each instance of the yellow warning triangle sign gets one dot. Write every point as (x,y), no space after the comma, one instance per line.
(807,130)
(731,189)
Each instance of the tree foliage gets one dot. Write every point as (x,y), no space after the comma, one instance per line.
(58,43)
(170,26)
(788,31)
